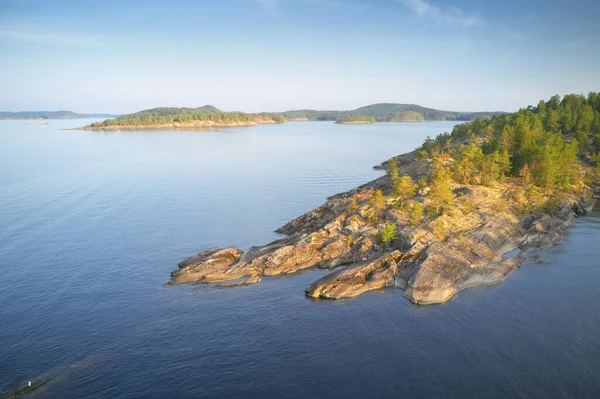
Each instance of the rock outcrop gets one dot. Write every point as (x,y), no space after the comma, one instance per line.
(431,261)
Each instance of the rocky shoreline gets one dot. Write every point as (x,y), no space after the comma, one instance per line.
(430,261)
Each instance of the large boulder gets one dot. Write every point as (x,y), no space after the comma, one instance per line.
(356,279)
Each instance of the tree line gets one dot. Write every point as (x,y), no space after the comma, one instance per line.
(541,144)
(389,113)
(167,116)
(356,119)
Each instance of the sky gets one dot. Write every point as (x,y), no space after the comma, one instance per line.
(276,55)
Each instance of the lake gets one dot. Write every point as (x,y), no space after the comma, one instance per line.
(92,223)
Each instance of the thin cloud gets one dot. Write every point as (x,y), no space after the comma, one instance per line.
(56,39)
(418,6)
(270,5)
(448,16)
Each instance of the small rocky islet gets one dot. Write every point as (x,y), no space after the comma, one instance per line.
(464,210)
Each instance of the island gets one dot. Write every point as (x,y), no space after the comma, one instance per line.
(208,116)
(463,210)
(185,118)
(387,112)
(404,116)
(37,115)
(355,120)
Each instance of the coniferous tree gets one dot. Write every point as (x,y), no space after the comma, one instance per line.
(440,192)
(404,187)
(504,163)
(377,203)
(467,164)
(416,214)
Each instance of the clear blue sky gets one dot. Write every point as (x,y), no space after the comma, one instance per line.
(257,55)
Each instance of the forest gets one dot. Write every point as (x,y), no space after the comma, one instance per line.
(539,147)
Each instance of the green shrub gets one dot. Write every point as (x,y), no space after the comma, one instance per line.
(388,234)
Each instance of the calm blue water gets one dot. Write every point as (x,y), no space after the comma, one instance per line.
(92,223)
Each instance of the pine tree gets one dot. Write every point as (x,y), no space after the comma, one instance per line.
(507,137)
(553,121)
(416,214)
(404,187)
(541,109)
(440,192)
(583,140)
(467,164)
(377,203)
(545,168)
(490,168)
(504,163)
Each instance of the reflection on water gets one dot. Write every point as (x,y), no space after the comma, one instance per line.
(92,223)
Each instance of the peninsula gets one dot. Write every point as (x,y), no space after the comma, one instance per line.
(463,210)
(182,118)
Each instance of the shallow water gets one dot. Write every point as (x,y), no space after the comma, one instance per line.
(92,223)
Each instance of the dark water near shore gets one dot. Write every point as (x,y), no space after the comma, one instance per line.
(92,223)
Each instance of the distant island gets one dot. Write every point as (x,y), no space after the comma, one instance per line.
(349,120)
(36,115)
(404,116)
(210,116)
(387,112)
(463,210)
(182,118)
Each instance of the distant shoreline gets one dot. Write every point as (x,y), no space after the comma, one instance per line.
(378,122)
(49,115)
(354,123)
(178,126)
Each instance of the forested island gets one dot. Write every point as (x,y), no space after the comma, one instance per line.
(210,116)
(349,120)
(171,118)
(463,210)
(37,115)
(388,113)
